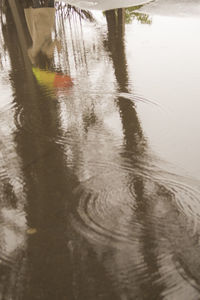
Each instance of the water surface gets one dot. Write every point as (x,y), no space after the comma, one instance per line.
(99,152)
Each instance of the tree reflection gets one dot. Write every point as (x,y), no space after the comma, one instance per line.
(131,125)
(48,197)
(132,13)
(148,198)
(135,149)
(37,3)
(68,10)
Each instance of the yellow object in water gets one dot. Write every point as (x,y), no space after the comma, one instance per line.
(44,77)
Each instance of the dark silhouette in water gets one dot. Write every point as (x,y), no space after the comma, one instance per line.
(37,3)
(48,197)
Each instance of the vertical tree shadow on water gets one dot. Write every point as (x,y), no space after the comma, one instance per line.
(155,201)
(139,282)
(45,264)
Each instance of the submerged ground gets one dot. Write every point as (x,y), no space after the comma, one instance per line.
(99,151)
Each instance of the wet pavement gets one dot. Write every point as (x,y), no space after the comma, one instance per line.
(99,151)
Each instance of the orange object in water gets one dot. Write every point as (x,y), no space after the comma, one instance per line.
(61,81)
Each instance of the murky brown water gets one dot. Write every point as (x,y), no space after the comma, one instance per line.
(99,151)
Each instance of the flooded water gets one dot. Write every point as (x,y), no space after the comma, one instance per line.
(99,150)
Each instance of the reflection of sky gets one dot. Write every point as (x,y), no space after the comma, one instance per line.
(105,4)
(4,79)
(164,65)
(173,7)
(5,92)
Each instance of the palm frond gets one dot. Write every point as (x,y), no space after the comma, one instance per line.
(68,10)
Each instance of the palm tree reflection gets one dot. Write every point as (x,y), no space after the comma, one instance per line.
(134,151)
(48,197)
(116,47)
(147,198)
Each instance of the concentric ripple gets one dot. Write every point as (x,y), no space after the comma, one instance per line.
(102,202)
(140,214)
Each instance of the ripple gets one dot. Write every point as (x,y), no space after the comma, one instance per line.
(12,272)
(141,215)
(137,98)
(19,117)
(3,173)
(27,121)
(185,196)
(35,120)
(7,261)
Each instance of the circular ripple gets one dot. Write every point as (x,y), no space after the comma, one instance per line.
(139,215)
